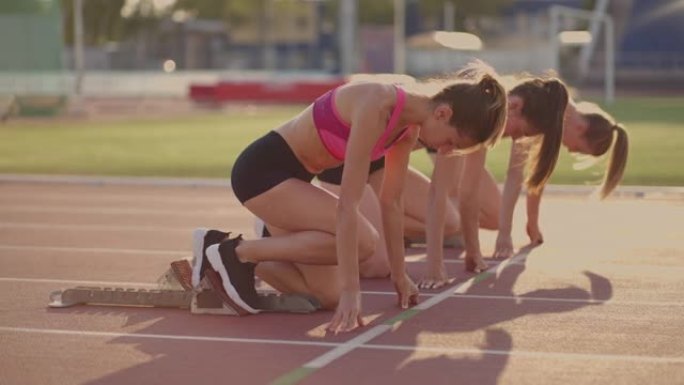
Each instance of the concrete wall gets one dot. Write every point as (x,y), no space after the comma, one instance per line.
(428,62)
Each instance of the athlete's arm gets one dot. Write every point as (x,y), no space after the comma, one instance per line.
(367,125)
(392,204)
(511,191)
(533,203)
(469,207)
(442,181)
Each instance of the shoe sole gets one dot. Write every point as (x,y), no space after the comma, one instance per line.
(259,227)
(220,281)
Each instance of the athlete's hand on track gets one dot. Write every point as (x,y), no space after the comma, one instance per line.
(504,246)
(536,237)
(435,278)
(348,313)
(406,290)
(475,263)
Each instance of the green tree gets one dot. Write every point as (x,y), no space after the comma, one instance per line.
(103,21)
(231,11)
(28,6)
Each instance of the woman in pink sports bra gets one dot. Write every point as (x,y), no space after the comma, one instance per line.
(317,240)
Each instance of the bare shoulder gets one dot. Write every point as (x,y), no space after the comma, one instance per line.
(368,94)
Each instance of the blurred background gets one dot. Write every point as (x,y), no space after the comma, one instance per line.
(162,47)
(81,61)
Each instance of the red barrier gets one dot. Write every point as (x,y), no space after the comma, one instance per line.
(263,91)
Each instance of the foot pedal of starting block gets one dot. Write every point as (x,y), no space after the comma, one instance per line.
(177,277)
(117,296)
(208,302)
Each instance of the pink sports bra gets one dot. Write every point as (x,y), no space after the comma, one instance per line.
(334,131)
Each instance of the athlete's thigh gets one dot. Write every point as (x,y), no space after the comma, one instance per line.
(490,201)
(369,204)
(416,194)
(295,205)
(416,190)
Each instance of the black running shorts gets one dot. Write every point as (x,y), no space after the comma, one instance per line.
(264,164)
(334,175)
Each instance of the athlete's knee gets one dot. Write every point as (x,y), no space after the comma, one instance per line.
(368,242)
(489,222)
(451,228)
(328,296)
(452,225)
(375,268)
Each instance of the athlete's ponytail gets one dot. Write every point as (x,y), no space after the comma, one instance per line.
(544,104)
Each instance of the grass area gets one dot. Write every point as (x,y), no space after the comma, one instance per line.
(207,145)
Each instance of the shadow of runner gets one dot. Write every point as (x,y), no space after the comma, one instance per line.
(474,315)
(179,362)
(474,368)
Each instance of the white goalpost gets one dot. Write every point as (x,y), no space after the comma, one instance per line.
(558,12)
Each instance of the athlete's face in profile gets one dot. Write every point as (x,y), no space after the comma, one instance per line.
(517,125)
(439,134)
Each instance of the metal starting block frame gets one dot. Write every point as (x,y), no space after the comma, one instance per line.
(173,292)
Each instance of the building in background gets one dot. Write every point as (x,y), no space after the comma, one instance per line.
(651,41)
(31,35)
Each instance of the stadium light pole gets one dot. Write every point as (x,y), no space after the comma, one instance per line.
(399,36)
(594,28)
(556,12)
(348,17)
(449,15)
(76,98)
(78,46)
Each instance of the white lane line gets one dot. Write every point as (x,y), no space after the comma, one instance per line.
(357,344)
(77,282)
(422,258)
(81,333)
(516,298)
(89,227)
(638,191)
(103,197)
(346,347)
(524,353)
(167,253)
(120,180)
(520,298)
(189,212)
(375,331)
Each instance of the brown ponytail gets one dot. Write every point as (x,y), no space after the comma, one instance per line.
(544,104)
(479,103)
(602,134)
(617,162)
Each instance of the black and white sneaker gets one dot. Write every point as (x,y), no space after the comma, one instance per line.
(201,239)
(232,279)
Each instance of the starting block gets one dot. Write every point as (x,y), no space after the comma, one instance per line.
(118,296)
(174,290)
